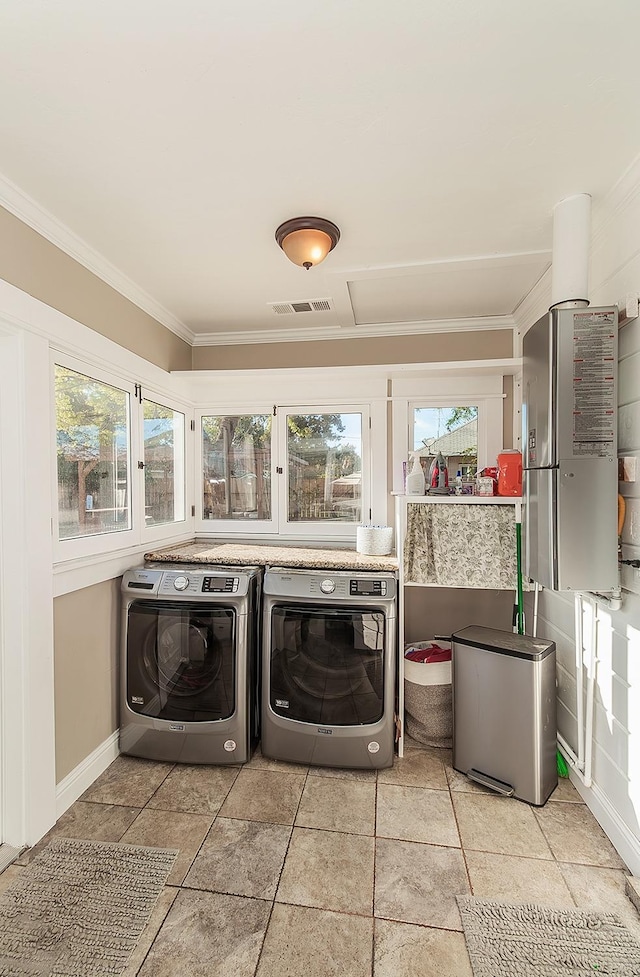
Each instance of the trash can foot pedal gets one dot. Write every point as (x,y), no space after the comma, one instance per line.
(498,785)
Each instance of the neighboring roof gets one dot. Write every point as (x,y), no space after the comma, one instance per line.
(462,439)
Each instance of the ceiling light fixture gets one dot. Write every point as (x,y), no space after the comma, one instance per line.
(307,240)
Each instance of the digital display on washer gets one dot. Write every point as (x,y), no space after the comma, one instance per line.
(219,585)
(139,585)
(367,588)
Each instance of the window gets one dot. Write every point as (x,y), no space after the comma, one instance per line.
(293,471)
(324,467)
(92,445)
(236,467)
(163,464)
(105,499)
(451,431)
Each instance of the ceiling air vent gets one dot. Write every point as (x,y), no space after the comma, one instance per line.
(312,305)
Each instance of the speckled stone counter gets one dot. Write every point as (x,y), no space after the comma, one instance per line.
(262,554)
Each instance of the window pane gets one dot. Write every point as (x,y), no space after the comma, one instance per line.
(92,440)
(325,467)
(163,464)
(453,431)
(236,453)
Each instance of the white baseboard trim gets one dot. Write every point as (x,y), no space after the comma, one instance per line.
(76,782)
(621,837)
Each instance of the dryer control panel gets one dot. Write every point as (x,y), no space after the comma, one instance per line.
(187,583)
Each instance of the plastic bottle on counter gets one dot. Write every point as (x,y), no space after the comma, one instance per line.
(416,484)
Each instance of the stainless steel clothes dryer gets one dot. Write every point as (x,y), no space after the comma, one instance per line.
(328,667)
(188,686)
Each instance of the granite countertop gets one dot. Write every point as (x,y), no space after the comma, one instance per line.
(263,554)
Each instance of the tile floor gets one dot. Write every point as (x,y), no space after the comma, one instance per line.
(289,871)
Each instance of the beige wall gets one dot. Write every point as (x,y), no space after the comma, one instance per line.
(86,642)
(440,610)
(36,266)
(427,348)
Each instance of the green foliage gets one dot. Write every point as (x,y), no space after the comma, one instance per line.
(460,416)
(319,427)
(89,415)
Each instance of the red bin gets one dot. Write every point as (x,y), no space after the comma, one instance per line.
(510,473)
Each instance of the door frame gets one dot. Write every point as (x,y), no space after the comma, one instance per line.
(27,733)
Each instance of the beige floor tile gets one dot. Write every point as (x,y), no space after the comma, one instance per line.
(149,933)
(128,781)
(197,789)
(574,835)
(261,762)
(208,935)
(344,773)
(499,824)
(242,858)
(565,791)
(264,795)
(403,950)
(328,870)
(603,890)
(184,832)
(87,821)
(416,814)
(338,805)
(417,768)
(512,879)
(304,942)
(419,883)
(10,874)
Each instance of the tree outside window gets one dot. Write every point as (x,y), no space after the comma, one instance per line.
(92,445)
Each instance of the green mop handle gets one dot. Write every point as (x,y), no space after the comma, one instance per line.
(520,618)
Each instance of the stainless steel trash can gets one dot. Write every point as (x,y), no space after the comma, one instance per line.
(504,711)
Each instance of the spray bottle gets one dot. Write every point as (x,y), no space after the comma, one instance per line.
(416,484)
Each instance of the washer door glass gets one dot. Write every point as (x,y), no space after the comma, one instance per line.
(327,665)
(181,661)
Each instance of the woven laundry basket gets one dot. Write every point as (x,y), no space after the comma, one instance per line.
(427,698)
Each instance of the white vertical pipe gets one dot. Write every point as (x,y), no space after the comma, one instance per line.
(536,592)
(592,662)
(571,243)
(579,681)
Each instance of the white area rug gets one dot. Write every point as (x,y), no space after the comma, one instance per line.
(79,909)
(532,941)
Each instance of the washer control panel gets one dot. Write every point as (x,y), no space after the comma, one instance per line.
(187,583)
(332,585)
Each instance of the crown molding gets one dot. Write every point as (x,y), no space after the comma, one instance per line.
(535,303)
(378,329)
(26,209)
(617,199)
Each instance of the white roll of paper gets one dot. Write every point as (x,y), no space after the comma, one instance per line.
(374,540)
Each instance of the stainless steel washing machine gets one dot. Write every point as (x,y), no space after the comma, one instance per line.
(189,653)
(328,667)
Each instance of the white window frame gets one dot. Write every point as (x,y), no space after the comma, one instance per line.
(322,529)
(78,547)
(236,527)
(161,530)
(82,548)
(278,526)
(488,398)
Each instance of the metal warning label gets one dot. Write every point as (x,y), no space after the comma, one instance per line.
(594,383)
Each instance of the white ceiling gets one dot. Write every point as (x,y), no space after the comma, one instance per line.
(164,142)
